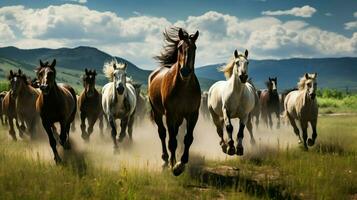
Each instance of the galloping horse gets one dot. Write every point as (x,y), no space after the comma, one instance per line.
(9,110)
(233,98)
(118,100)
(174,91)
(269,102)
(301,105)
(2,96)
(56,103)
(25,98)
(90,104)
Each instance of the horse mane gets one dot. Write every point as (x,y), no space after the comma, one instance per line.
(108,68)
(228,68)
(168,54)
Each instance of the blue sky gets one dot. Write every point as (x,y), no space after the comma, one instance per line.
(132,29)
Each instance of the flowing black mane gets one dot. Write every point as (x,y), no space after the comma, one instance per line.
(168,55)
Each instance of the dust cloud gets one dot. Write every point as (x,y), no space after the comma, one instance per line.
(145,149)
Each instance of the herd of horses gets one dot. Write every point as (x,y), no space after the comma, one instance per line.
(174,95)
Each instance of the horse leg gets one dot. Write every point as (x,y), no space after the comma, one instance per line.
(293,124)
(162,134)
(240,149)
(84,135)
(304,133)
(19,128)
(277,113)
(191,121)
(229,129)
(32,125)
(114,133)
(250,130)
(218,122)
(123,126)
(64,140)
(130,126)
(12,132)
(270,120)
(310,141)
(48,127)
(91,122)
(173,127)
(101,125)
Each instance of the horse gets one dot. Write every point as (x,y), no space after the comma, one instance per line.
(301,105)
(56,103)
(2,96)
(256,111)
(25,99)
(233,98)
(118,100)
(90,104)
(270,103)
(141,104)
(9,110)
(203,107)
(174,91)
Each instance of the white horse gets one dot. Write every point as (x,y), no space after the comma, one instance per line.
(233,98)
(118,99)
(301,105)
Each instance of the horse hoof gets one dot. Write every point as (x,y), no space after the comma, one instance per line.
(310,142)
(178,168)
(252,142)
(67,145)
(224,147)
(58,160)
(230,151)
(85,137)
(165,165)
(299,141)
(116,150)
(240,151)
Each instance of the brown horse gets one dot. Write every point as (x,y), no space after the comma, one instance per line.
(9,110)
(2,96)
(174,91)
(25,98)
(90,104)
(270,103)
(56,103)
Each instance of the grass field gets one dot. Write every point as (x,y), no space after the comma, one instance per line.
(280,169)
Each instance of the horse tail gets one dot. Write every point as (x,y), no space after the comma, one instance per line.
(74,96)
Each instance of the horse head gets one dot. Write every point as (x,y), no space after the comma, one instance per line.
(17,81)
(272,84)
(186,53)
(119,77)
(89,82)
(311,84)
(241,65)
(46,75)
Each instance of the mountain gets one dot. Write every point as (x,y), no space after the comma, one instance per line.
(336,73)
(71,58)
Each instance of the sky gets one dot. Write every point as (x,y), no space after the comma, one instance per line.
(269,29)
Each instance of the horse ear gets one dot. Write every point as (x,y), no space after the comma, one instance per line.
(41,63)
(86,70)
(125,66)
(236,53)
(315,75)
(181,34)
(19,71)
(246,53)
(53,63)
(95,72)
(10,75)
(195,36)
(306,75)
(115,66)
(269,78)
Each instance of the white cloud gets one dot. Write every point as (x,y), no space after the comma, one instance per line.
(139,38)
(328,14)
(78,1)
(305,11)
(351,25)
(355,14)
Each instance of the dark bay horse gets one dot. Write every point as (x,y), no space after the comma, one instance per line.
(174,91)
(270,103)
(25,98)
(90,104)
(9,110)
(56,103)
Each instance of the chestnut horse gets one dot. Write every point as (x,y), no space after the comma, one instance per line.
(25,98)
(56,103)
(174,91)
(270,103)
(90,104)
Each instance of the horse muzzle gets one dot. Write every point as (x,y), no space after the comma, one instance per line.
(185,72)
(243,78)
(120,89)
(44,89)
